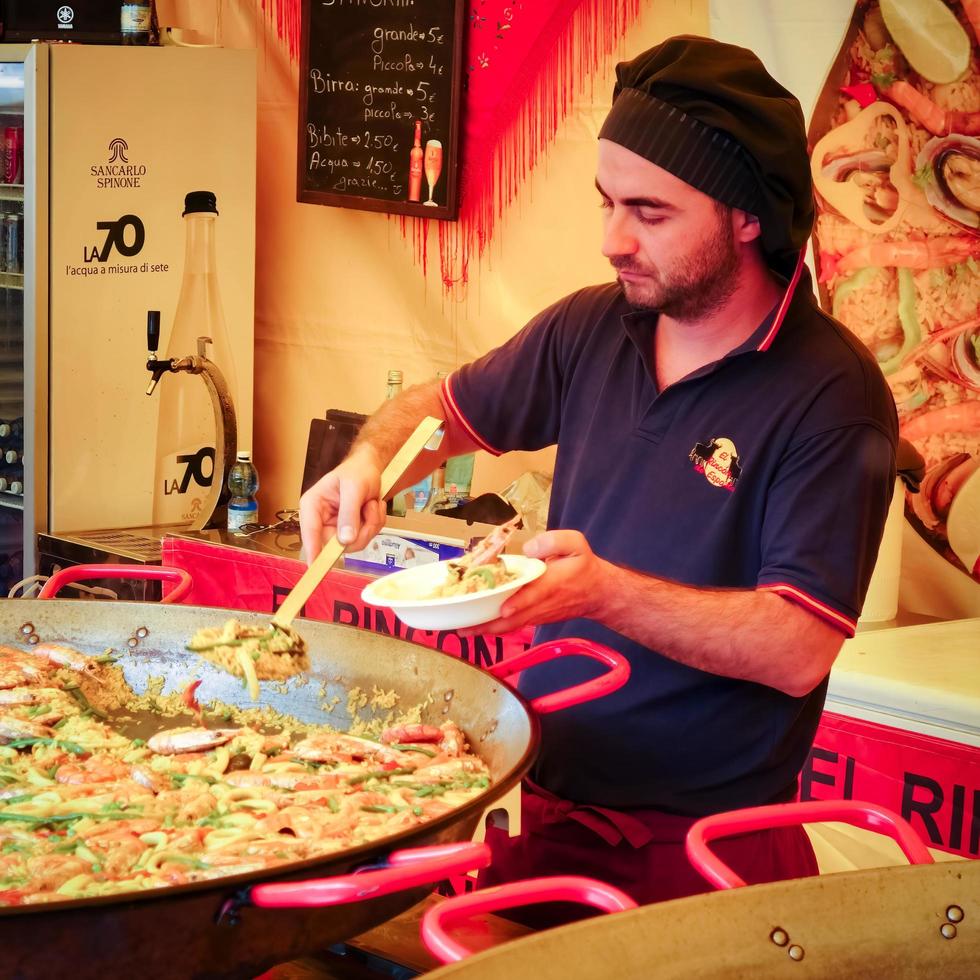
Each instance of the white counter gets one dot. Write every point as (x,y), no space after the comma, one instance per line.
(923,678)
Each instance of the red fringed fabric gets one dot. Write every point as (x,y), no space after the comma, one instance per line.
(525,60)
(287,16)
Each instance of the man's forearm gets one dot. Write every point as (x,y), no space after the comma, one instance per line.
(748,634)
(386,431)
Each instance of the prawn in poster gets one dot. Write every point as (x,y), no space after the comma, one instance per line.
(895,158)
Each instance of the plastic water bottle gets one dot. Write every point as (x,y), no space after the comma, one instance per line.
(243,482)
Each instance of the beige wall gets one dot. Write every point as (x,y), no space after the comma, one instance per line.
(339,298)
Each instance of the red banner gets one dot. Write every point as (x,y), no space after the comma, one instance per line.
(932,782)
(236,579)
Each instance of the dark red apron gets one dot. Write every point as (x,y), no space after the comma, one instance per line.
(640,851)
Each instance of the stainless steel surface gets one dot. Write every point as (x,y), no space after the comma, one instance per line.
(140,546)
(36,154)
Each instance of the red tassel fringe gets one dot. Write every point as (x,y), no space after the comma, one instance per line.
(287,17)
(525,128)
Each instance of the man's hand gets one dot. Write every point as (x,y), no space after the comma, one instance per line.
(571,586)
(751,634)
(346,502)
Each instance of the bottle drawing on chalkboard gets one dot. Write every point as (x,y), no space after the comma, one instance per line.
(433,167)
(415,165)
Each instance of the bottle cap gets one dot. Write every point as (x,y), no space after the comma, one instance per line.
(394,377)
(198,201)
(244,456)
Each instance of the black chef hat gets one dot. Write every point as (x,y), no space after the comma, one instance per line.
(711,114)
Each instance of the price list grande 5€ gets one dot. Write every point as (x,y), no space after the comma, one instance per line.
(379,106)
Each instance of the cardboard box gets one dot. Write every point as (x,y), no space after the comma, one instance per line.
(418,539)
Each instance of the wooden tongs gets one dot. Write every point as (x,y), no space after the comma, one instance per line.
(427,435)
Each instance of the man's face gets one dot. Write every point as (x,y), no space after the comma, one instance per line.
(673,247)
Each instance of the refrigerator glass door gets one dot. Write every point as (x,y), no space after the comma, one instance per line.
(12,357)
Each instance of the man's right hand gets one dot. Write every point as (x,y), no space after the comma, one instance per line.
(345,502)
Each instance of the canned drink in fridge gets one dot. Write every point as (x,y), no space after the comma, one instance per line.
(14,155)
(3,243)
(13,246)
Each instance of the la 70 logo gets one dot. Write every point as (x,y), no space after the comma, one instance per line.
(116,235)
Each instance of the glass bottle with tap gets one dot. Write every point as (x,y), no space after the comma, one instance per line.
(185,454)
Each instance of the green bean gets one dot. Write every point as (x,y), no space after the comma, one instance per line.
(23,743)
(378,774)
(431,753)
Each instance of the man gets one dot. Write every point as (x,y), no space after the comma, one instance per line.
(725,461)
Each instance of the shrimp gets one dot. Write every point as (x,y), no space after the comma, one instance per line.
(148,779)
(104,834)
(12,698)
(330,747)
(118,848)
(291,819)
(13,729)
(963,417)
(453,741)
(50,871)
(449,769)
(62,656)
(13,675)
(411,733)
(281,780)
(178,740)
(932,253)
(95,769)
(939,121)
(17,669)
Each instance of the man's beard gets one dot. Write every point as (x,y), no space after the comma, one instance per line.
(693,287)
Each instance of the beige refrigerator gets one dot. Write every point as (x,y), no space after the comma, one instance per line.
(113,138)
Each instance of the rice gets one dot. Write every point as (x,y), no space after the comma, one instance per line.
(947,296)
(872,312)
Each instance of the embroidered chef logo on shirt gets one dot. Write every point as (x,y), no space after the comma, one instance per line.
(718,460)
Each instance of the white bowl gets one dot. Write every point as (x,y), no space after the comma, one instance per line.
(404,591)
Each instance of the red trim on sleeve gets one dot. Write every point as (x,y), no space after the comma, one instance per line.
(784,305)
(844,623)
(450,402)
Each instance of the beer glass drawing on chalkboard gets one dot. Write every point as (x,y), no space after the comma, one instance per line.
(433,167)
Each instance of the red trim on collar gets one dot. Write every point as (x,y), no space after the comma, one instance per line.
(847,626)
(450,403)
(784,305)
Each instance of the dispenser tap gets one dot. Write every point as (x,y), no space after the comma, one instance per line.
(213,511)
(156,367)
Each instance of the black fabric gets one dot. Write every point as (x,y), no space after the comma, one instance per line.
(701,156)
(728,89)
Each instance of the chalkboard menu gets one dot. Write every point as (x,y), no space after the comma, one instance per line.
(380,95)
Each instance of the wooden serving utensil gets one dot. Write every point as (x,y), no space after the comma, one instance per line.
(427,435)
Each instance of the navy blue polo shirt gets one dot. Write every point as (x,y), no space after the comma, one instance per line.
(772,468)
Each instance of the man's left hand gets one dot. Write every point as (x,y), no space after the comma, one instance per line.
(571,587)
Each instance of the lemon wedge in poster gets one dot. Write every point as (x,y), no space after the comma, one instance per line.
(929,35)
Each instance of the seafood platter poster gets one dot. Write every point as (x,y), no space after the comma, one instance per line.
(891,93)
